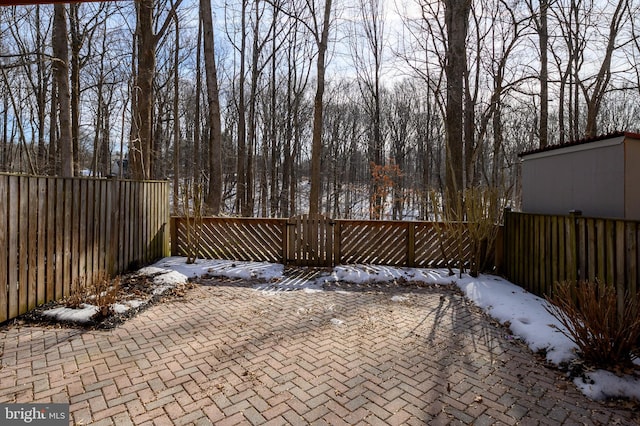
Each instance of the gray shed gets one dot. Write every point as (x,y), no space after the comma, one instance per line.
(599,176)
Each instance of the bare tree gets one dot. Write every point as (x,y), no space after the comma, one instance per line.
(298,65)
(321,34)
(214,195)
(368,57)
(457,23)
(595,89)
(143,98)
(61,70)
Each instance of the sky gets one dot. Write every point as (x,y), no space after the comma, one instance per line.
(525,313)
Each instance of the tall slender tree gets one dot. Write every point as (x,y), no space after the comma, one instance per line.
(321,34)
(214,194)
(61,71)
(457,24)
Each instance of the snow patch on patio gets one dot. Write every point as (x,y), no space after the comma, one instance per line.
(163,280)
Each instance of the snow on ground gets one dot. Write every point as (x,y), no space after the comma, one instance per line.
(523,312)
(163,280)
(82,315)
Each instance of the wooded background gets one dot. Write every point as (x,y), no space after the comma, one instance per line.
(355,109)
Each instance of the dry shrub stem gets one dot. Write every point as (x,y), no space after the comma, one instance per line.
(103,293)
(192,201)
(474,217)
(606,334)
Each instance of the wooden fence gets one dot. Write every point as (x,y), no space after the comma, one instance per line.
(58,232)
(394,243)
(540,250)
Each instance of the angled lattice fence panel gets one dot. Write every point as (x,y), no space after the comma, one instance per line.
(375,242)
(260,240)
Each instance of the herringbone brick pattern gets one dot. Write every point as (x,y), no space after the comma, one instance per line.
(230,355)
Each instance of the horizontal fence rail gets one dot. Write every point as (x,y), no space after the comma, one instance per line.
(59,233)
(540,250)
(394,243)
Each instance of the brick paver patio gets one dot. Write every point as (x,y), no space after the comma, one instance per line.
(228,354)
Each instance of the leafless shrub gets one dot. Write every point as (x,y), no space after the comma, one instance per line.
(606,334)
(475,215)
(103,293)
(192,208)
(483,209)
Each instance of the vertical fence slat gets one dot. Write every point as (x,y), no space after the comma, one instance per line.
(153,224)
(631,243)
(68,231)
(23,238)
(97,218)
(121,234)
(102,230)
(611,255)
(59,246)
(528,250)
(52,232)
(570,241)
(75,236)
(519,221)
(620,255)
(82,237)
(165,216)
(538,267)
(13,231)
(41,264)
(125,224)
(600,248)
(547,249)
(145,224)
(4,249)
(562,249)
(554,254)
(111,225)
(591,249)
(139,229)
(90,252)
(32,237)
(582,248)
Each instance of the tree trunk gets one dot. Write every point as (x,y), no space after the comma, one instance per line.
(456,21)
(594,101)
(176,116)
(41,95)
(316,144)
(76,45)
(543,35)
(140,148)
(61,70)
(214,195)
(241,171)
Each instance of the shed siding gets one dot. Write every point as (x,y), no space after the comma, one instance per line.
(591,180)
(632,179)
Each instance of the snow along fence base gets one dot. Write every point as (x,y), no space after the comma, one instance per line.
(320,241)
(60,232)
